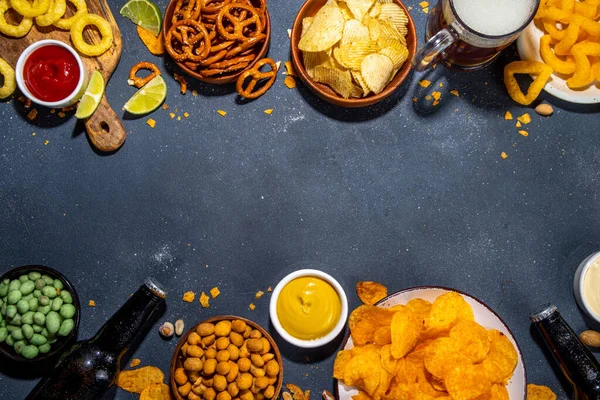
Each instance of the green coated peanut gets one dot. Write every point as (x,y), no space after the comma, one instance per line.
(3,289)
(66,296)
(39,319)
(16,320)
(37,293)
(17,334)
(58,284)
(27,287)
(19,344)
(1,318)
(67,311)
(44,300)
(14,285)
(3,324)
(44,333)
(37,328)
(47,279)
(66,327)
(11,328)
(39,284)
(45,348)
(33,304)
(3,334)
(27,297)
(34,275)
(1,302)
(10,341)
(22,306)
(44,309)
(11,311)
(48,291)
(53,322)
(38,339)
(3,308)
(27,318)
(30,351)
(56,304)
(14,296)
(27,331)
(23,278)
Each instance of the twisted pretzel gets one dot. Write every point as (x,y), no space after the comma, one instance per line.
(257,76)
(190,10)
(214,7)
(192,41)
(136,80)
(245,45)
(239,25)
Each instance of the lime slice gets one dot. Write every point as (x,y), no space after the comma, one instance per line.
(92,96)
(143,13)
(148,98)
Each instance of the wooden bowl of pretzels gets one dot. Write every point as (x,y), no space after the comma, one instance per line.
(215,41)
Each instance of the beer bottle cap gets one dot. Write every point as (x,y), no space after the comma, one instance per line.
(545,312)
(156,287)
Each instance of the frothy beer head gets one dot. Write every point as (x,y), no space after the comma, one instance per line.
(495,17)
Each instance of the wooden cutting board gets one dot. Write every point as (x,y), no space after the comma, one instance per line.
(104,128)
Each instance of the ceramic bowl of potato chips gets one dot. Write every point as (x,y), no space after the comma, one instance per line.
(353,53)
(432,341)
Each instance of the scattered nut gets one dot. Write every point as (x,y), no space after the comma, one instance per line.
(166,330)
(544,110)
(590,338)
(327,395)
(179,325)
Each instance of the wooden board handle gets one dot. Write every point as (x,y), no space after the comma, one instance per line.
(105,129)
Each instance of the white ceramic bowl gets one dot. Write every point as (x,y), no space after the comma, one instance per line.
(308,344)
(578,285)
(484,315)
(69,100)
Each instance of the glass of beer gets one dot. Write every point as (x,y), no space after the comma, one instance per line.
(469,34)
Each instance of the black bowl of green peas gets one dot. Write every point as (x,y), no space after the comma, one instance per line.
(39,314)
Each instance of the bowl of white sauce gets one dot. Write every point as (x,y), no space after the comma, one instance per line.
(587,286)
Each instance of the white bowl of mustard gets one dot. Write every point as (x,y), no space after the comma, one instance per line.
(586,286)
(308,308)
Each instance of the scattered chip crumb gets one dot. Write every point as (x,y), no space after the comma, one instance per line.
(222,113)
(454,92)
(259,294)
(165,106)
(524,119)
(179,118)
(436,102)
(270,289)
(214,292)
(424,83)
(92,303)
(289,33)
(290,82)
(135,362)
(194,93)
(428,97)
(518,124)
(130,82)
(441,84)
(524,133)
(186,114)
(415,99)
(436,95)
(278,64)
(151,123)
(21,99)
(289,69)
(504,155)
(424,4)
(33,134)
(434,66)
(172,115)
(32,114)
(508,116)
(46,142)
(61,114)
(182,83)
(426,10)
(188,297)
(269,111)
(252,306)
(204,300)
(52,111)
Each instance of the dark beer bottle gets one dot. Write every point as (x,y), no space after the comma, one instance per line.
(90,367)
(577,363)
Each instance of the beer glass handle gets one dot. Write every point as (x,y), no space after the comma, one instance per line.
(431,52)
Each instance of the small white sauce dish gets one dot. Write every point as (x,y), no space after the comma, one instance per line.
(579,286)
(309,344)
(69,100)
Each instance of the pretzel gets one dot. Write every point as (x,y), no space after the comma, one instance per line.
(257,76)
(136,80)
(194,47)
(238,24)
(246,45)
(214,8)
(218,71)
(190,10)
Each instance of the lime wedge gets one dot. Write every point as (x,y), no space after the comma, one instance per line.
(148,98)
(143,13)
(92,96)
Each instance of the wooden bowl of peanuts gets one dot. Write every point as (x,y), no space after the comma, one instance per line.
(225,358)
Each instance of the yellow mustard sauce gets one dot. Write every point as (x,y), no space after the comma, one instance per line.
(591,286)
(308,308)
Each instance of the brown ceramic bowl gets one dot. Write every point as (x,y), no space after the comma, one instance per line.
(176,361)
(219,79)
(309,9)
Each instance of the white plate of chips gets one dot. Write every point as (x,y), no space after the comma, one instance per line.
(528,46)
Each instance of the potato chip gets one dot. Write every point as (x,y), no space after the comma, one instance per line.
(341,360)
(313,59)
(345,11)
(596,68)
(542,71)
(537,392)
(136,380)
(388,362)
(385,380)
(426,382)
(359,79)
(325,30)
(397,52)
(448,310)
(156,391)
(370,350)
(340,81)
(374,11)
(374,26)
(405,332)
(363,373)
(467,382)
(376,70)
(156,45)
(361,396)
(497,392)
(502,358)
(473,340)
(421,308)
(356,91)
(354,31)
(383,336)
(442,356)
(359,8)
(388,30)
(351,55)
(395,14)
(400,391)
(558,65)
(370,292)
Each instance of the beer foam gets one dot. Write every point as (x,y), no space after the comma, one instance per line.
(494,17)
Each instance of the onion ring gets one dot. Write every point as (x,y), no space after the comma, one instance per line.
(257,76)
(10,84)
(139,82)
(105,31)
(13,30)
(66,23)
(30,10)
(55,12)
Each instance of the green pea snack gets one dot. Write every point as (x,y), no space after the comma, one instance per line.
(35,310)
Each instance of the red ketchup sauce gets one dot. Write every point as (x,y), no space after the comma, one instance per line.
(51,73)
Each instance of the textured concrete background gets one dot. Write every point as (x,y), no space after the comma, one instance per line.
(402,193)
